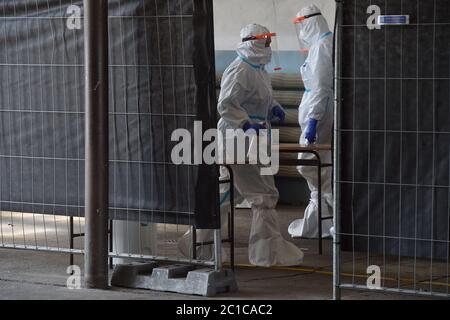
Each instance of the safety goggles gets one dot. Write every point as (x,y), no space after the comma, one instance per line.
(303,18)
(264,36)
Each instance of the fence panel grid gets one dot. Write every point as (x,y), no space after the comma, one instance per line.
(393,147)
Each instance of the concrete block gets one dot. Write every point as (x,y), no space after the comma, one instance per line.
(184,279)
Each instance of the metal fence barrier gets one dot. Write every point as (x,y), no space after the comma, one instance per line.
(392,154)
(44,61)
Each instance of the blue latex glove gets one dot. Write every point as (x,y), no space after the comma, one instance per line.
(279,113)
(255,126)
(310,132)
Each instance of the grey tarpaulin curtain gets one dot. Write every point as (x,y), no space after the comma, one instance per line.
(161,79)
(395,130)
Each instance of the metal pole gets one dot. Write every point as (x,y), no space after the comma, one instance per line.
(319,202)
(336,162)
(71,240)
(111,243)
(194,242)
(96,145)
(232,216)
(218,250)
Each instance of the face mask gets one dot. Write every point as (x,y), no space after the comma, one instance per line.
(263,52)
(259,47)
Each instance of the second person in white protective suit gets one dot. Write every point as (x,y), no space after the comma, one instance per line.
(315,115)
(246,102)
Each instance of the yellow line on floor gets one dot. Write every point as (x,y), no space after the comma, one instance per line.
(329,273)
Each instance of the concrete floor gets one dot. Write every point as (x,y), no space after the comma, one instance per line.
(39,275)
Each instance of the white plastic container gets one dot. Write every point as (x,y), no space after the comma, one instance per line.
(130,237)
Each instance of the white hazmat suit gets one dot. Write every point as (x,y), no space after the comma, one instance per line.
(317,105)
(246,98)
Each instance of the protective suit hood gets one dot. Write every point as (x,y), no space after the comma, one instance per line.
(255,52)
(312,29)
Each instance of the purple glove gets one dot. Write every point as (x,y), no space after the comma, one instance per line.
(310,132)
(255,126)
(279,113)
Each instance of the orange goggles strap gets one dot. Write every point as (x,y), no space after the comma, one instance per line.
(260,37)
(303,18)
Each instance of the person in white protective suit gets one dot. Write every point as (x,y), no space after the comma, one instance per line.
(315,115)
(246,102)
